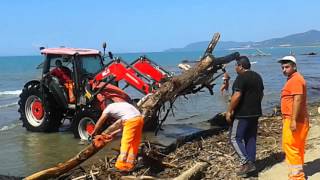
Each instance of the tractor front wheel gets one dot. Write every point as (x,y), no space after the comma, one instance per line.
(84,123)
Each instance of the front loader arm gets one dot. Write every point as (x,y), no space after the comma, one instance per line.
(120,72)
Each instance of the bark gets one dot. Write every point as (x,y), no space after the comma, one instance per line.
(194,172)
(66,166)
(198,77)
(138,177)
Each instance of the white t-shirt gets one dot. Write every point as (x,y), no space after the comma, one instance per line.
(121,110)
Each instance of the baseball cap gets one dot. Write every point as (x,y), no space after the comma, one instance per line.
(288,58)
(244,62)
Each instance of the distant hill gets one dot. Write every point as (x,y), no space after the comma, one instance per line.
(308,38)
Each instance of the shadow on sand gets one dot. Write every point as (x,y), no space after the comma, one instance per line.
(310,168)
(267,162)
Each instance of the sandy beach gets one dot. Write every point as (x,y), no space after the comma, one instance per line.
(220,157)
(312,155)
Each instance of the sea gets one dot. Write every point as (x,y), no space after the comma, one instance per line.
(23,152)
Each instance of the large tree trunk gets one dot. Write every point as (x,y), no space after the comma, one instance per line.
(66,166)
(191,81)
(176,86)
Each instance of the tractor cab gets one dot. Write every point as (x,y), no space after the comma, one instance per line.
(77,65)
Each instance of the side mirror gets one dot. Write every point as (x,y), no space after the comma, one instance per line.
(110,55)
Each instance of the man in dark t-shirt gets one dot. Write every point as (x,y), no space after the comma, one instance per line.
(245,108)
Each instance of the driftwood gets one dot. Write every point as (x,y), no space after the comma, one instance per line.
(66,166)
(171,89)
(191,81)
(194,172)
(139,177)
(92,174)
(216,150)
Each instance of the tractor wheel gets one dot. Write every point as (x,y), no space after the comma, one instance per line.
(38,113)
(83,123)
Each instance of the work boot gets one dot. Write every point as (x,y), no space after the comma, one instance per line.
(245,169)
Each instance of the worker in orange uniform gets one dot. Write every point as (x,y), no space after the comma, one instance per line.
(295,117)
(131,121)
(64,75)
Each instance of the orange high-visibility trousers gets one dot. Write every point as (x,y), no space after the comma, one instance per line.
(130,141)
(293,144)
(69,86)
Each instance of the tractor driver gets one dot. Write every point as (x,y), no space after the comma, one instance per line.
(64,75)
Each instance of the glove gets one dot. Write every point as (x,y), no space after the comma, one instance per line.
(100,140)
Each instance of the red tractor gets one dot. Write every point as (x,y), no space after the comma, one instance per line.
(45,103)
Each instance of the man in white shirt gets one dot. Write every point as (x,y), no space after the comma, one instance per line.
(130,120)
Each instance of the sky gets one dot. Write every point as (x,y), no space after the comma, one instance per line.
(147,26)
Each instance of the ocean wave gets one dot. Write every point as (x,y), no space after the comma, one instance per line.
(188,117)
(240,48)
(8,105)
(15,92)
(9,127)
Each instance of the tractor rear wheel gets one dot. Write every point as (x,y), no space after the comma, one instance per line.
(37,111)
